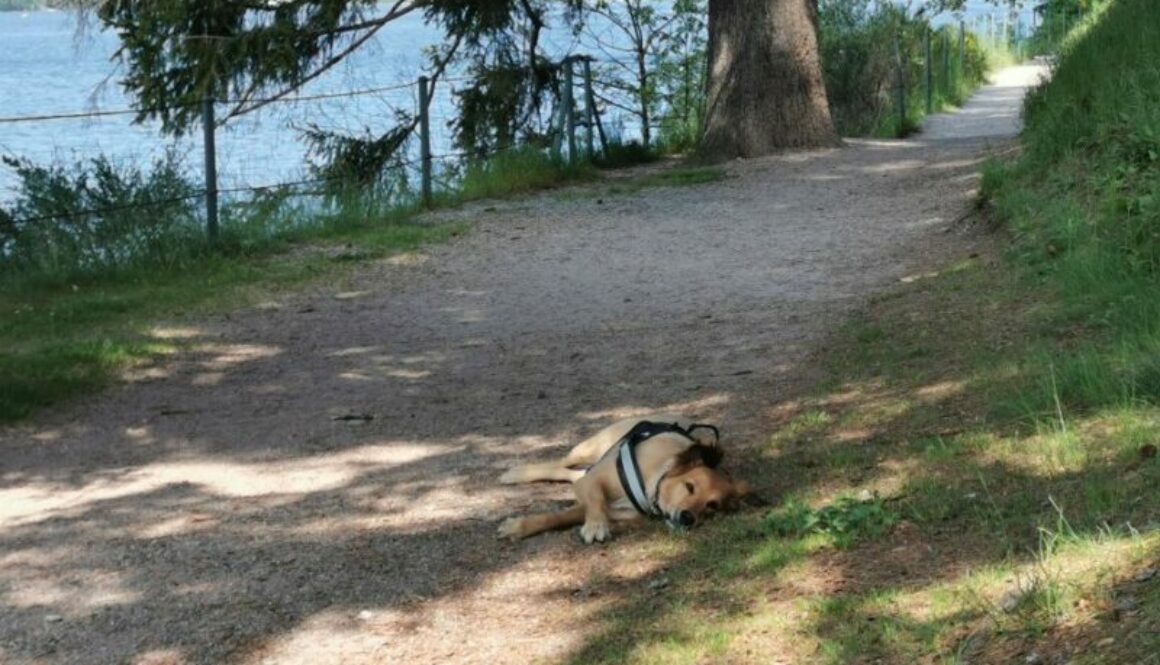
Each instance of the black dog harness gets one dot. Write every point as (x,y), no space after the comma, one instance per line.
(628,469)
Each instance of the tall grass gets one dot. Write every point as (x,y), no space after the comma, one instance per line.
(97,216)
(1084,203)
(514,172)
(1057,21)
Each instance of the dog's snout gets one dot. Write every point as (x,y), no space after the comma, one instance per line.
(686,518)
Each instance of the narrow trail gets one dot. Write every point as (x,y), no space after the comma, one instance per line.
(236,505)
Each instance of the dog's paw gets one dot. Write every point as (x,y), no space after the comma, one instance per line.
(595,532)
(512,477)
(512,528)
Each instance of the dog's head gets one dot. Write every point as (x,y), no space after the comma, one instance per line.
(695,488)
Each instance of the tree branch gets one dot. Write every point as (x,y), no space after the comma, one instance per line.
(398,10)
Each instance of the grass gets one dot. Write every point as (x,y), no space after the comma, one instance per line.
(515,172)
(1084,203)
(684,176)
(59,339)
(844,521)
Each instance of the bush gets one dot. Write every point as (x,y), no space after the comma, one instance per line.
(856,39)
(618,154)
(97,216)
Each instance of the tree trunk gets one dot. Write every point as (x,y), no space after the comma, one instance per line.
(765,90)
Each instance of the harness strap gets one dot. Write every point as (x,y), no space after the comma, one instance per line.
(712,428)
(628,470)
(632,481)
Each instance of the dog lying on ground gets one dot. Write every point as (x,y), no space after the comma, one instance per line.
(656,467)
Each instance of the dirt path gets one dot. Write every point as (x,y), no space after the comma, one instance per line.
(218,508)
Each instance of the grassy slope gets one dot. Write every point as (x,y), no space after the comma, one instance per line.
(971,475)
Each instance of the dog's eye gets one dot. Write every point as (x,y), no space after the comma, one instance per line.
(690,487)
(713,505)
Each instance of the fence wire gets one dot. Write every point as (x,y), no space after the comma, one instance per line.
(289,99)
(440,126)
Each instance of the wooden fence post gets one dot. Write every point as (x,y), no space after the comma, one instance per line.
(211,179)
(425,139)
(589,108)
(946,64)
(929,72)
(900,86)
(962,49)
(570,116)
(556,126)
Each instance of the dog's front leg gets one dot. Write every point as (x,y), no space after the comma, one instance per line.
(591,495)
(515,528)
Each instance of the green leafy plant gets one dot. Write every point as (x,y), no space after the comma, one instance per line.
(846,521)
(97,215)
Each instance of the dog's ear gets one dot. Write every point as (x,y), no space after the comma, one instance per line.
(743,495)
(710,456)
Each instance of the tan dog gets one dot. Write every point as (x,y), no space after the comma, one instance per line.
(679,475)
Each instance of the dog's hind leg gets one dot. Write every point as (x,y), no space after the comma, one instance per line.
(529,525)
(548,471)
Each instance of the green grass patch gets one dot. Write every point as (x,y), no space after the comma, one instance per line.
(683,177)
(676,177)
(845,521)
(515,172)
(60,339)
(1084,204)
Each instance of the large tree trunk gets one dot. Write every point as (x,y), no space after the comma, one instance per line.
(765,89)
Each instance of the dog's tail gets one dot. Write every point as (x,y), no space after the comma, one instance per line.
(547,471)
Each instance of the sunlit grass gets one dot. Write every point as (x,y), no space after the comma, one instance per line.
(59,339)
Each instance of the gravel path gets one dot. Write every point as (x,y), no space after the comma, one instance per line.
(235,504)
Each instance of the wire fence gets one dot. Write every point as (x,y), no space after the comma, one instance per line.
(84,115)
(429,168)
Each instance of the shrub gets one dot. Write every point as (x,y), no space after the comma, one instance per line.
(857,41)
(846,520)
(97,216)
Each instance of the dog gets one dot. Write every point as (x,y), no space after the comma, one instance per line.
(676,479)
